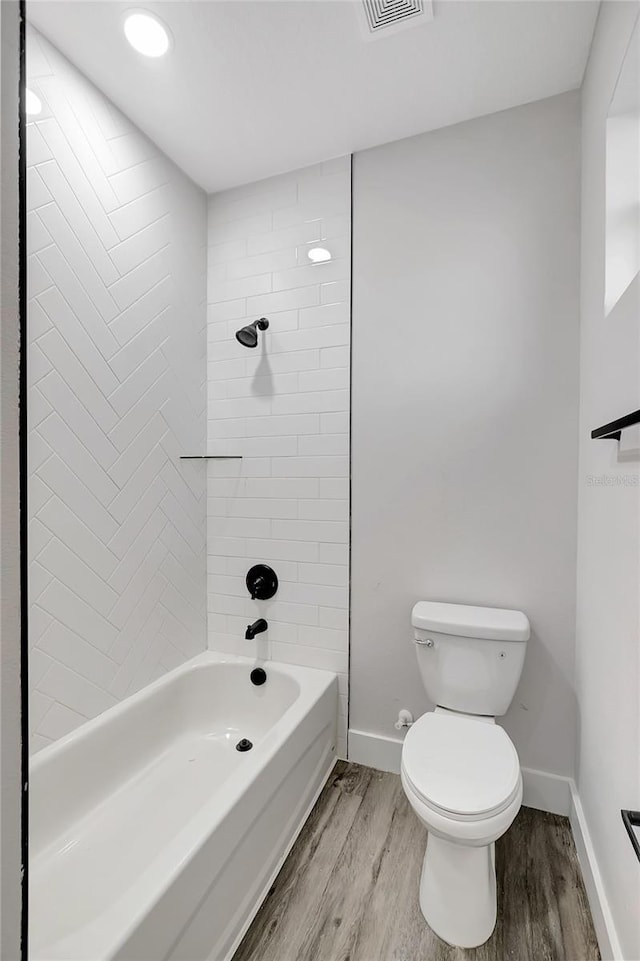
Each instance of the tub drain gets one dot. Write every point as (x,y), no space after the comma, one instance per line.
(244,745)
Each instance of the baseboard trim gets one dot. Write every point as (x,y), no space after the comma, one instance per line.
(374,750)
(547,792)
(606,933)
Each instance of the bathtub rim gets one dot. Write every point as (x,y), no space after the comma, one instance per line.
(50,752)
(158,877)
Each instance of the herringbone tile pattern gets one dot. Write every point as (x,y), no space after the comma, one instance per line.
(117,366)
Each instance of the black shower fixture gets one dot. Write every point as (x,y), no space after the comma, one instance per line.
(248,336)
(262,582)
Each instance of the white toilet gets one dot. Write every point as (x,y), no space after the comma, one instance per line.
(460,770)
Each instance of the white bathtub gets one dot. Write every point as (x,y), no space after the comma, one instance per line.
(151,836)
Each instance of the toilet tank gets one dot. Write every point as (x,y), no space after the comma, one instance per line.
(470,658)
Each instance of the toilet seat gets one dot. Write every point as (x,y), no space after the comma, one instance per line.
(462,768)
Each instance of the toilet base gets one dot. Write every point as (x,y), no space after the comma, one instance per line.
(458,891)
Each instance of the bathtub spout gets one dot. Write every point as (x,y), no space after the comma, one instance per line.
(256,628)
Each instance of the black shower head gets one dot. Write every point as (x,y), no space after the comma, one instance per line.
(248,336)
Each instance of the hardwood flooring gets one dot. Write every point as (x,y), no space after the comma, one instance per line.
(349,889)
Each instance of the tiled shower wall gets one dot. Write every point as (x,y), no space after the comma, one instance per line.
(116,325)
(285,407)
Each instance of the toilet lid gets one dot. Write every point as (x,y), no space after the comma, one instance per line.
(462,766)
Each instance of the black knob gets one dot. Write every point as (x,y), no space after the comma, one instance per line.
(262,582)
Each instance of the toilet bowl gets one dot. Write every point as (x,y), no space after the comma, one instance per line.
(462,777)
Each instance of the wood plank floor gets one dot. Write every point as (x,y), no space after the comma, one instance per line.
(349,889)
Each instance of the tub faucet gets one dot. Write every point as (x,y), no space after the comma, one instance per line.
(256,628)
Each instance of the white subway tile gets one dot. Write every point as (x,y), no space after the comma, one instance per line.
(295,215)
(262,264)
(338,247)
(309,339)
(335,357)
(250,467)
(324,510)
(230,604)
(330,192)
(333,617)
(290,361)
(307,656)
(232,290)
(311,467)
(227,252)
(336,292)
(329,379)
(223,209)
(304,275)
(274,550)
(335,422)
(233,427)
(239,527)
(299,488)
(283,300)
(285,633)
(236,407)
(327,531)
(225,369)
(294,424)
(287,570)
(226,584)
(220,233)
(324,316)
(306,593)
(269,446)
(279,321)
(286,237)
(263,386)
(324,400)
(336,575)
(262,507)
(294,613)
(324,637)
(331,444)
(226,546)
(228,486)
(227,311)
(334,487)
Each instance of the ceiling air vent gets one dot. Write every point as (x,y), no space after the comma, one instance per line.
(381,18)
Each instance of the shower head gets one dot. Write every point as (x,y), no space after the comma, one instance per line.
(248,336)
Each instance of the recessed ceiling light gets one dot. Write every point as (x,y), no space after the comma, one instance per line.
(32,104)
(146,33)
(319,255)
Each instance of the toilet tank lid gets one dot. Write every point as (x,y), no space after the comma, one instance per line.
(490,623)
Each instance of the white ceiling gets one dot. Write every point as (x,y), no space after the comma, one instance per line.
(257,87)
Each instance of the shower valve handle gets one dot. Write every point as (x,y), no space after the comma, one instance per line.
(262,582)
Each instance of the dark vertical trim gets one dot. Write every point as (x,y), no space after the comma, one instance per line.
(22,414)
(350,440)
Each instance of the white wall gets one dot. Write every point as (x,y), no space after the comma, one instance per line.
(608,600)
(10,760)
(285,407)
(464,409)
(117,392)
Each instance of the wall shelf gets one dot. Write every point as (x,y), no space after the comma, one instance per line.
(210,456)
(613,430)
